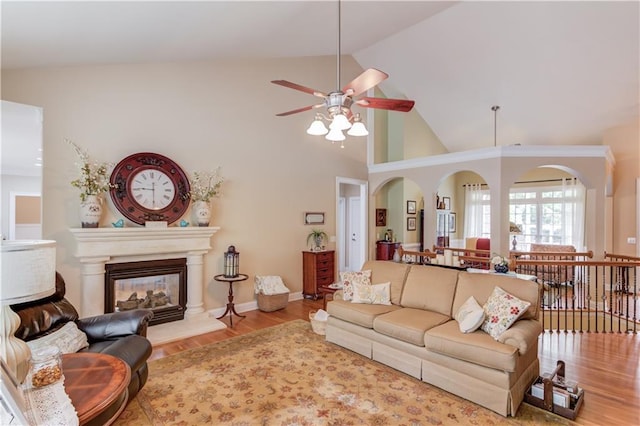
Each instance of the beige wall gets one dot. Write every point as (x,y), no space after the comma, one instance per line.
(202,115)
(625,144)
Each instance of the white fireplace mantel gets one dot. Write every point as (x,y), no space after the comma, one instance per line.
(98,246)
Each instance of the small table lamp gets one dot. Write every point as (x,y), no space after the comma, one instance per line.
(28,273)
(514,230)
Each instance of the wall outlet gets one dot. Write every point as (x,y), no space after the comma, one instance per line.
(332,239)
(631,240)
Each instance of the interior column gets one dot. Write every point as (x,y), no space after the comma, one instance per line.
(93,286)
(195,282)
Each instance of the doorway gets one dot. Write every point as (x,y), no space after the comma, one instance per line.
(351,223)
(25,219)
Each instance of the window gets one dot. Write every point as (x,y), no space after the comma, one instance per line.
(551,214)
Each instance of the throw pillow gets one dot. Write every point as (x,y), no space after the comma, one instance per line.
(470,316)
(372,294)
(68,338)
(349,278)
(501,311)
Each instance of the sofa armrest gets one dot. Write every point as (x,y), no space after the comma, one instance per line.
(523,335)
(338,295)
(116,325)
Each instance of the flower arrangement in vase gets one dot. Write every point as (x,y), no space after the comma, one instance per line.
(317,237)
(500,264)
(92,182)
(204,186)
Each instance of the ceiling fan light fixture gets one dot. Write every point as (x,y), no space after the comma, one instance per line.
(317,127)
(335,135)
(340,122)
(357,128)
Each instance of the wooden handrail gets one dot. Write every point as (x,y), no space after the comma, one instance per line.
(426,253)
(620,257)
(541,254)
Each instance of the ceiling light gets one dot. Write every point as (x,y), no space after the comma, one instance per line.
(340,122)
(317,128)
(335,135)
(358,128)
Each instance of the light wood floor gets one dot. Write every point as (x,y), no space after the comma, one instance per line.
(607,366)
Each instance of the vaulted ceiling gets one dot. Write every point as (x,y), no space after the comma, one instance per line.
(561,72)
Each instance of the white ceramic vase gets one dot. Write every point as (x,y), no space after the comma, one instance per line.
(90,211)
(202,212)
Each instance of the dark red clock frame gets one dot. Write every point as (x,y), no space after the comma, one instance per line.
(124,200)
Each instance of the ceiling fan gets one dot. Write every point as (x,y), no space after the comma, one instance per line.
(338,103)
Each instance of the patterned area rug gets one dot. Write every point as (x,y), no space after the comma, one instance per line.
(287,375)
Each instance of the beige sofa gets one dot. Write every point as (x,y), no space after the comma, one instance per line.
(417,334)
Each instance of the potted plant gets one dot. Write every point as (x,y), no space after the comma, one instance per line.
(92,183)
(204,186)
(317,237)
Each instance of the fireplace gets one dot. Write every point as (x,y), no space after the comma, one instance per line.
(157,285)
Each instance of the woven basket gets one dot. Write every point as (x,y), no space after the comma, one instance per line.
(272,302)
(318,327)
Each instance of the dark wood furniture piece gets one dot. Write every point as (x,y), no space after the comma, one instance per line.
(386,249)
(97,386)
(231,307)
(317,271)
(326,293)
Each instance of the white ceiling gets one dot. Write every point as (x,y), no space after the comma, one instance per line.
(562,72)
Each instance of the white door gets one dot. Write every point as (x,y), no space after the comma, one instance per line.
(354,233)
(342,234)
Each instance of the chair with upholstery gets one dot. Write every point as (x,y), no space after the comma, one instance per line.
(121,334)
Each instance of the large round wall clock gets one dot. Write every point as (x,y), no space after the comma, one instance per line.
(149,187)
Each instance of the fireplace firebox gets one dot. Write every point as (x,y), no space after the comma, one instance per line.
(157,285)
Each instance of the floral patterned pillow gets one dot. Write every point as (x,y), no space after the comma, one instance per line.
(501,311)
(373,294)
(350,278)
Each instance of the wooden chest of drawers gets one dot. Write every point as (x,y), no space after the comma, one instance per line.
(317,270)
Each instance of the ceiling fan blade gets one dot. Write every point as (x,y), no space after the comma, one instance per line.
(295,86)
(365,81)
(402,105)
(295,111)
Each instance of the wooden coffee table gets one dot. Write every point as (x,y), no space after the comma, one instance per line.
(96,384)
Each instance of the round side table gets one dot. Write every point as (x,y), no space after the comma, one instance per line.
(231,309)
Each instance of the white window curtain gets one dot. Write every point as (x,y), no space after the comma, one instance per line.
(574,212)
(473,211)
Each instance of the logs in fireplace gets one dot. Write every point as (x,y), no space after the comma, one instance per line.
(158,285)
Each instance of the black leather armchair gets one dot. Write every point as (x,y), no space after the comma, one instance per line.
(121,334)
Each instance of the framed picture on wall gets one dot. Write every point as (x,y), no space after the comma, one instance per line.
(411,224)
(446,201)
(452,222)
(411,207)
(381,217)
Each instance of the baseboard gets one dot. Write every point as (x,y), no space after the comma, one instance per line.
(250,306)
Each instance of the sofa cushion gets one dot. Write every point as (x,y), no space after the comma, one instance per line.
(349,278)
(408,324)
(477,347)
(430,288)
(470,316)
(357,313)
(383,271)
(481,285)
(373,294)
(501,311)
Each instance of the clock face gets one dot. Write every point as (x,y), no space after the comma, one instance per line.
(149,187)
(152,189)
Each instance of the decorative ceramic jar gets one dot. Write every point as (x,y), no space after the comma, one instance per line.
(90,211)
(501,269)
(202,212)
